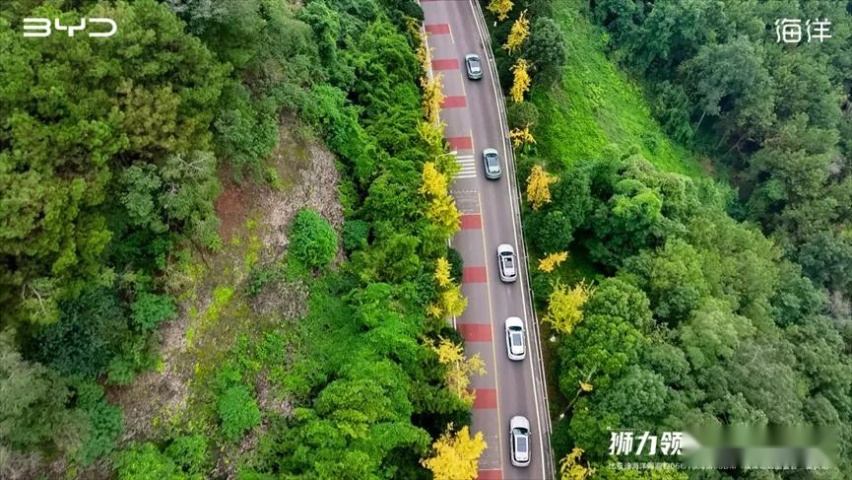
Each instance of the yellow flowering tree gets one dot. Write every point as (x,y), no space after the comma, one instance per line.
(565,306)
(501,8)
(570,467)
(521,80)
(456,455)
(521,136)
(518,34)
(550,262)
(538,187)
(460,368)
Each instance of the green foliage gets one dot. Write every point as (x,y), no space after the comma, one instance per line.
(312,239)
(106,422)
(768,112)
(189,453)
(237,411)
(690,326)
(355,235)
(522,114)
(149,310)
(546,49)
(456,265)
(132,98)
(143,461)
(34,398)
(90,332)
(262,275)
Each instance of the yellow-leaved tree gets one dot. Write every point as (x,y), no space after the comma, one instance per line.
(434,182)
(550,262)
(521,136)
(433,97)
(570,467)
(521,81)
(456,455)
(518,34)
(538,186)
(501,8)
(433,135)
(444,213)
(442,272)
(565,305)
(459,368)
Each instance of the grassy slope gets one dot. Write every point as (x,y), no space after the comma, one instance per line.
(597,104)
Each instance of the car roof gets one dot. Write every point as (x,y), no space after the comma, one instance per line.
(519,421)
(514,322)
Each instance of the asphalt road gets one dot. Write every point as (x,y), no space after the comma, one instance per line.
(473,112)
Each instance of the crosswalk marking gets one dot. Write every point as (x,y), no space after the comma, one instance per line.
(468,166)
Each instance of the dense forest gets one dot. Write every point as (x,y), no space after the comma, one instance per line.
(111,156)
(704,301)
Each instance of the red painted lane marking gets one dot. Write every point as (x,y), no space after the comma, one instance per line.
(485,398)
(474,275)
(488,474)
(437,28)
(454,101)
(471,221)
(445,64)
(460,143)
(475,332)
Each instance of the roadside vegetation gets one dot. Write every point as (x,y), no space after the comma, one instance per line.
(674,298)
(182,297)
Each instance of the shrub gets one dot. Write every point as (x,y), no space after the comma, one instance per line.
(456,265)
(105,422)
(355,235)
(149,310)
(238,412)
(88,335)
(522,114)
(313,241)
(189,453)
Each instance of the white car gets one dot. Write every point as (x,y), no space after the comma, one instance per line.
(491,160)
(515,339)
(519,440)
(507,263)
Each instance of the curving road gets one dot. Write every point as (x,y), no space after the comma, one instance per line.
(475,117)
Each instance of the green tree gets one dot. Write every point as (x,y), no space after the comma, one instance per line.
(34,413)
(143,461)
(545,49)
(312,239)
(237,411)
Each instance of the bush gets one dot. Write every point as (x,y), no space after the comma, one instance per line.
(106,422)
(456,264)
(355,235)
(238,412)
(260,276)
(312,239)
(145,462)
(88,335)
(189,453)
(149,310)
(521,114)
